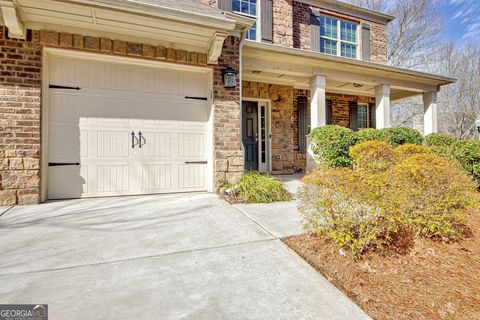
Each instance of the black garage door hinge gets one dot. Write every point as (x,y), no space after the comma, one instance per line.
(58,164)
(54,86)
(196,162)
(196,98)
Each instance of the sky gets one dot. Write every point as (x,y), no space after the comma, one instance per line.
(462,20)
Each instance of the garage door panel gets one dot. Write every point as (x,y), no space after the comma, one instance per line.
(159,145)
(76,176)
(191,176)
(94,125)
(113,178)
(156,178)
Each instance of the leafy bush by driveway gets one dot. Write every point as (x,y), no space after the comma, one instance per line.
(369,206)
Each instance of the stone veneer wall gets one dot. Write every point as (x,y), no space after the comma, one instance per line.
(227,138)
(285,120)
(20,104)
(20,89)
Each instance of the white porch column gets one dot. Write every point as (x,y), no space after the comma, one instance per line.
(318,114)
(430,112)
(317,101)
(382,106)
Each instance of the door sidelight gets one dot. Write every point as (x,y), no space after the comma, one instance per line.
(134,140)
(142,140)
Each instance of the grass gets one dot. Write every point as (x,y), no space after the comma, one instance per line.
(254,187)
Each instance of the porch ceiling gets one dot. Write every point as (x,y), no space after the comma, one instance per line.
(295,67)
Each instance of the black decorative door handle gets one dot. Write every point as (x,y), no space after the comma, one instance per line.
(134,140)
(142,140)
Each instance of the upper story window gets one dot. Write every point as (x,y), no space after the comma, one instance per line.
(249,8)
(338,37)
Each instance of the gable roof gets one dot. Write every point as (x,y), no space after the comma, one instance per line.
(183,5)
(350,9)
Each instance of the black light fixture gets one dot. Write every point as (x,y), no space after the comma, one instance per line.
(229,79)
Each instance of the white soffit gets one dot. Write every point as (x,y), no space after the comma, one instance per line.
(129,21)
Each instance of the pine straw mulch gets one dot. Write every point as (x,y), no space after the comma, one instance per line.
(434,280)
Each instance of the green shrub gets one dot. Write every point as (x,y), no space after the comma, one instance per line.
(467,153)
(371,134)
(254,187)
(372,155)
(398,136)
(439,140)
(421,195)
(441,144)
(330,144)
(407,150)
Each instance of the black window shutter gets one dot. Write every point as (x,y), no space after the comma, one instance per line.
(373,122)
(365,42)
(329,112)
(353,107)
(267,20)
(314,32)
(225,5)
(303,123)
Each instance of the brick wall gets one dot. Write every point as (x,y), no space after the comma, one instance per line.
(20,83)
(340,102)
(226,113)
(301,30)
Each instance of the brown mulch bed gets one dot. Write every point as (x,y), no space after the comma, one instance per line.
(434,280)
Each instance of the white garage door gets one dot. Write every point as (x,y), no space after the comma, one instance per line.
(129,129)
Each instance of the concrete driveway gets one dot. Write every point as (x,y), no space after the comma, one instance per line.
(188,256)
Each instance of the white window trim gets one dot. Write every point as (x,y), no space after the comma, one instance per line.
(339,35)
(257,18)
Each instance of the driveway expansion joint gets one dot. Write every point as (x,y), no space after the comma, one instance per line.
(11,275)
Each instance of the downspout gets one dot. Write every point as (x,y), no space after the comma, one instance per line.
(240,85)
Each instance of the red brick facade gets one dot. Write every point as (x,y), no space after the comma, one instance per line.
(20,83)
(301,29)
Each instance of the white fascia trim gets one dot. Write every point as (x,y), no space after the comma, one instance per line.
(321,56)
(350,9)
(222,23)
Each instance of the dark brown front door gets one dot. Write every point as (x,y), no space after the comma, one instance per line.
(250,134)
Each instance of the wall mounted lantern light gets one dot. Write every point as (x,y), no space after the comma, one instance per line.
(229,80)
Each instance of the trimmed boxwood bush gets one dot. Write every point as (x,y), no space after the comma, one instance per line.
(467,153)
(440,144)
(371,134)
(398,136)
(439,140)
(331,144)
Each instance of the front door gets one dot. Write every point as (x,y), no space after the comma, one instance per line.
(250,134)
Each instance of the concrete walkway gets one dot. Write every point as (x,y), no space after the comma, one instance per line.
(186,256)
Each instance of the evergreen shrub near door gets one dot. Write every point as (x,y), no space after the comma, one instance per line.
(330,144)
(405,193)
